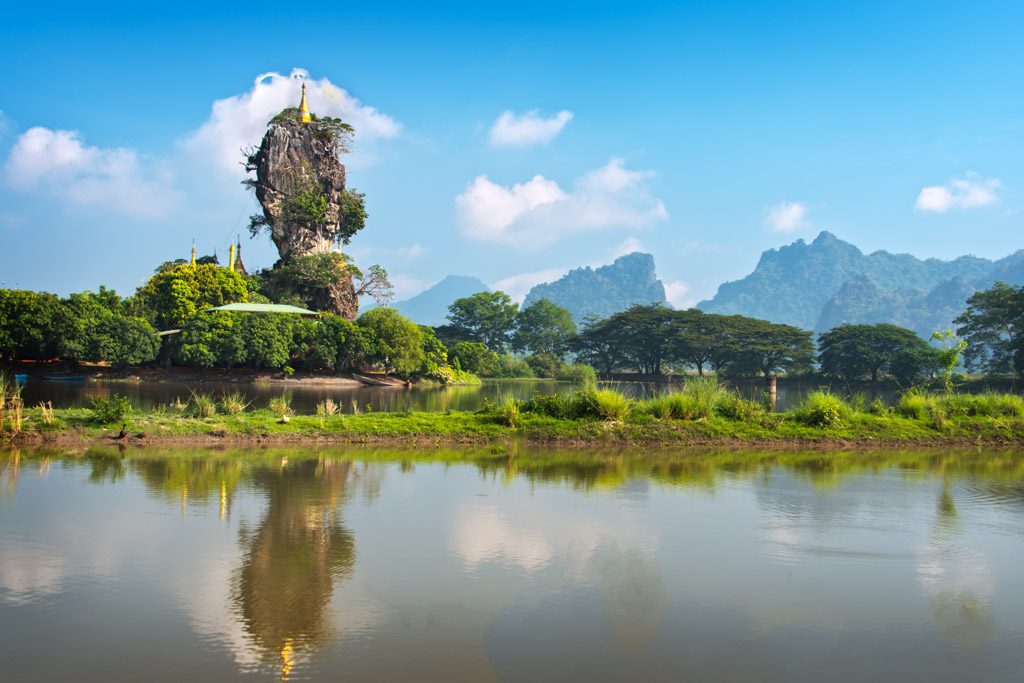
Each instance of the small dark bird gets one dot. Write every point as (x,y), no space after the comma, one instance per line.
(124,432)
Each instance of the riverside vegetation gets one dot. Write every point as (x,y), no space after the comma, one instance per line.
(701,411)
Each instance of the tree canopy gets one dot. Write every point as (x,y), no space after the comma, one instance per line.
(993,327)
(866,351)
(485,317)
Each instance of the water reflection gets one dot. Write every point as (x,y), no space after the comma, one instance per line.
(293,557)
(515,565)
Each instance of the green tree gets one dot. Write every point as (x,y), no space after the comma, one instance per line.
(544,328)
(174,295)
(857,351)
(394,342)
(99,327)
(598,345)
(210,340)
(30,325)
(475,357)
(486,317)
(762,347)
(993,327)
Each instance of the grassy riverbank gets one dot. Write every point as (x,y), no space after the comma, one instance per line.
(701,413)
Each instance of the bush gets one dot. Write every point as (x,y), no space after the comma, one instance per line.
(735,407)
(578,374)
(611,405)
(698,399)
(822,409)
(110,410)
(988,404)
(544,365)
(233,403)
(511,410)
(915,404)
(510,367)
(474,357)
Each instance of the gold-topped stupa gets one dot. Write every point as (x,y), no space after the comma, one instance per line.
(304,114)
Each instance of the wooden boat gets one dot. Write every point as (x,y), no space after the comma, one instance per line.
(64,378)
(381,381)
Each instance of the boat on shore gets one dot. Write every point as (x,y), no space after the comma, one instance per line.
(381,381)
(64,378)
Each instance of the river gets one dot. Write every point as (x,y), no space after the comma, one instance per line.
(511,564)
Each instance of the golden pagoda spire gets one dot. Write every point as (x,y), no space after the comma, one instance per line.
(193,253)
(231,258)
(304,115)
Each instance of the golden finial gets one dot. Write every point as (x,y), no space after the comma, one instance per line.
(304,115)
(193,253)
(231,258)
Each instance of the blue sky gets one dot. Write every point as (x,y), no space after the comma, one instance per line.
(514,143)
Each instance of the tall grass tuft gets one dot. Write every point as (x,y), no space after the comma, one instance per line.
(46,412)
(511,410)
(699,399)
(281,406)
(611,405)
(233,403)
(202,405)
(822,409)
(325,409)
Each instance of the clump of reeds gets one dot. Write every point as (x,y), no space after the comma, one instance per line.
(822,409)
(325,409)
(354,406)
(511,410)
(233,403)
(612,405)
(46,412)
(281,406)
(203,405)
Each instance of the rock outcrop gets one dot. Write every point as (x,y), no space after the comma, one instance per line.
(300,182)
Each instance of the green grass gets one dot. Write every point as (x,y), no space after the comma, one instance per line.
(704,413)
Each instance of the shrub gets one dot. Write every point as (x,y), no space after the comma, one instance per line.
(511,410)
(544,365)
(915,404)
(233,403)
(202,405)
(822,409)
(578,374)
(508,366)
(112,409)
(988,404)
(734,407)
(574,406)
(611,405)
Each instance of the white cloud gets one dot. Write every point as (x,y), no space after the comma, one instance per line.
(959,193)
(526,130)
(518,286)
(627,246)
(679,294)
(57,163)
(241,120)
(539,212)
(786,217)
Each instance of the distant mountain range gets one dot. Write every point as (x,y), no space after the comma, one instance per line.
(430,307)
(825,283)
(603,291)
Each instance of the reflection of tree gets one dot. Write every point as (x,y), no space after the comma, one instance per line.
(293,558)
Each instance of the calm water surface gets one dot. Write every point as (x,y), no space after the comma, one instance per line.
(147,395)
(523,566)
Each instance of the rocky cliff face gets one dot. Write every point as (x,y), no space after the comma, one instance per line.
(300,182)
(604,291)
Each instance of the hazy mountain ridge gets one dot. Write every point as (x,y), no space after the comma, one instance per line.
(603,291)
(828,282)
(430,307)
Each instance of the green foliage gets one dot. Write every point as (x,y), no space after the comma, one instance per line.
(611,405)
(29,325)
(947,356)
(510,367)
(307,208)
(511,410)
(98,327)
(544,365)
(111,409)
(485,317)
(393,342)
(993,327)
(281,406)
(572,406)
(474,357)
(544,328)
(578,374)
(866,351)
(822,409)
(174,296)
(233,403)
(202,405)
(698,399)
(734,407)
